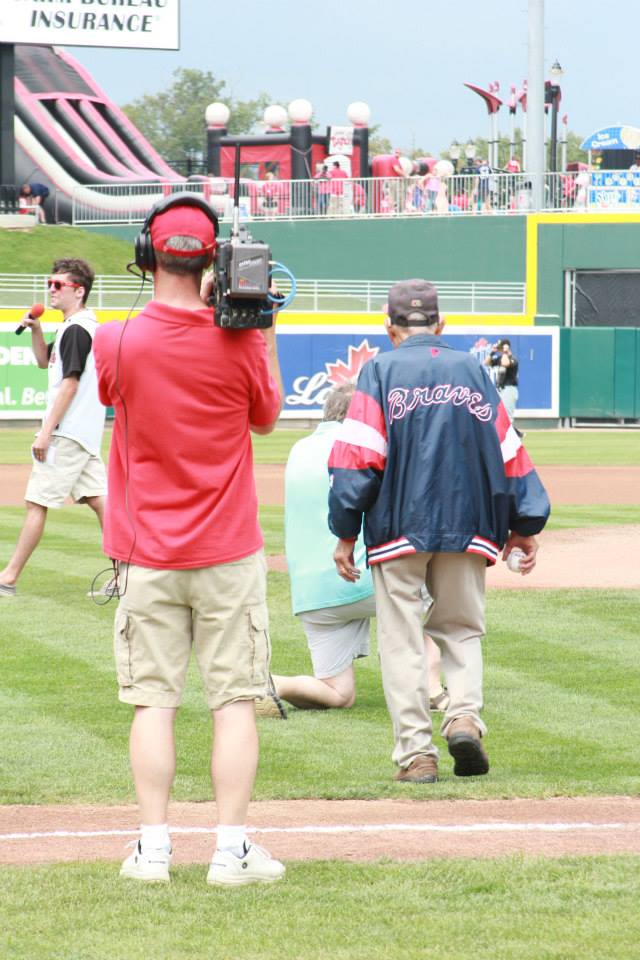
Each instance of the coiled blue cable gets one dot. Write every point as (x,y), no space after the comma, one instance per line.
(281,305)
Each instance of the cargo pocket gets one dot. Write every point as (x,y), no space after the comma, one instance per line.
(260,643)
(123,649)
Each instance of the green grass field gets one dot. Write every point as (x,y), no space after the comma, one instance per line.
(569,448)
(562,681)
(510,909)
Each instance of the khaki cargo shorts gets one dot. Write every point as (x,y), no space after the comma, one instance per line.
(219,611)
(69,471)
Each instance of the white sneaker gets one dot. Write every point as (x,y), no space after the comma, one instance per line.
(257,866)
(152,865)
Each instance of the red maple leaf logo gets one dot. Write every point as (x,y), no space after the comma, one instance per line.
(341,372)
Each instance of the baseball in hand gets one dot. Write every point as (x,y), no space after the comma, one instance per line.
(514,559)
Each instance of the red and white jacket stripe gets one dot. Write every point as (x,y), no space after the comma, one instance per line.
(428,454)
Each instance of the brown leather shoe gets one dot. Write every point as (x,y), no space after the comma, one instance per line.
(470,757)
(423,769)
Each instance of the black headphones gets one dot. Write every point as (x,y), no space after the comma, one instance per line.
(145,257)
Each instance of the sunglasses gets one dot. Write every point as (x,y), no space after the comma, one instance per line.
(59,284)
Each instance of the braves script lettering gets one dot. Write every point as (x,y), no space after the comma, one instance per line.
(402,401)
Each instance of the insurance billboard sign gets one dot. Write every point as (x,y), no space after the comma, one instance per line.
(144,24)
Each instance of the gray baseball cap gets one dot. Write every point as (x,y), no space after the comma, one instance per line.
(410,297)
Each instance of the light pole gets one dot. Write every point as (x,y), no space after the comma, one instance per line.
(563,143)
(455,151)
(535,102)
(553,96)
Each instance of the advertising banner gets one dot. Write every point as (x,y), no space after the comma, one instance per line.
(313,360)
(341,141)
(23,387)
(143,24)
(614,188)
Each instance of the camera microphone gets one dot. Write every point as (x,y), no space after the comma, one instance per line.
(36,311)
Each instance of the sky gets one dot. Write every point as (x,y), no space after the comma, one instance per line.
(408,62)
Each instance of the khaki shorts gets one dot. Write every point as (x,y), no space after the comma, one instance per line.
(220,611)
(74,473)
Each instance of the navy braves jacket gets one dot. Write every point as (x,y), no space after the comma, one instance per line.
(428,454)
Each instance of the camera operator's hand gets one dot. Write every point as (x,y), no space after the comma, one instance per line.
(269,334)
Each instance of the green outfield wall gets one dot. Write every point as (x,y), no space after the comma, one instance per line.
(442,248)
(600,373)
(599,368)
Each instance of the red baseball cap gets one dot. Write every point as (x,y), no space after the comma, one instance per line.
(184,221)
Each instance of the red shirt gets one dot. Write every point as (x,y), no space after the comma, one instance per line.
(184,394)
(336,174)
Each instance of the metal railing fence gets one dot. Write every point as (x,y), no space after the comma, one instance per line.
(356,198)
(18,291)
(8,198)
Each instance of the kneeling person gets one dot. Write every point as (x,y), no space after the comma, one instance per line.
(334,614)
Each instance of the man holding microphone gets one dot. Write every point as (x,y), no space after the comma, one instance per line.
(66,450)
(181,524)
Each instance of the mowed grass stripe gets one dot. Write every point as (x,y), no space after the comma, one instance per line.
(585,629)
(551,719)
(504,909)
(606,448)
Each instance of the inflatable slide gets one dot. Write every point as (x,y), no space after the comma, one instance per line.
(71,137)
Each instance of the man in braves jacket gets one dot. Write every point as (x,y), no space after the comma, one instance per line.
(428,454)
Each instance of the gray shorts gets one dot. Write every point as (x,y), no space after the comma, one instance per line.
(338,635)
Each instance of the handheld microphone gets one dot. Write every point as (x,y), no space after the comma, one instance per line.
(36,311)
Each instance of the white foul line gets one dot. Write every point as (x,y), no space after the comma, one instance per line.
(492,827)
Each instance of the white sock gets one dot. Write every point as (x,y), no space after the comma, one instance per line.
(233,837)
(155,836)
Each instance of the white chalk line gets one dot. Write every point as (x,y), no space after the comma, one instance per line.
(461,828)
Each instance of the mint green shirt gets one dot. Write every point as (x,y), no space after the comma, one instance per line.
(309,543)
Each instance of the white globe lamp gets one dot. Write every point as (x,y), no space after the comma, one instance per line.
(275,117)
(358,113)
(217,115)
(300,111)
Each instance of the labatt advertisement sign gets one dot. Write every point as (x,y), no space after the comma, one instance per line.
(314,361)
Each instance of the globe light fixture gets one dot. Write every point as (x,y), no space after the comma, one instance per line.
(470,150)
(556,70)
(217,115)
(455,151)
(275,116)
(300,111)
(358,113)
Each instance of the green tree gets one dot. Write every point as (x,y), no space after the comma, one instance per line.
(378,145)
(173,119)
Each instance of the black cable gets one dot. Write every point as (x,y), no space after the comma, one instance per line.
(117,592)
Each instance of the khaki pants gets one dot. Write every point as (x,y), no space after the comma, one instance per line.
(456,622)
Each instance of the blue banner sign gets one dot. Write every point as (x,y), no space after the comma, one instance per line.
(613,138)
(612,188)
(314,359)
